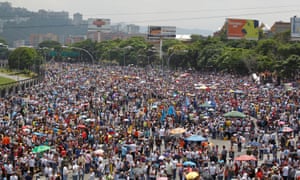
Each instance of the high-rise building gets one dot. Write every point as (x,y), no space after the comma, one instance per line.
(77,19)
(132,29)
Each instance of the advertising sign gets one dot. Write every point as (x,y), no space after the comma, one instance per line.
(295,27)
(242,29)
(164,32)
(102,25)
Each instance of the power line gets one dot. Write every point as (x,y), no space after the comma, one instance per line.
(191,11)
(171,12)
(213,17)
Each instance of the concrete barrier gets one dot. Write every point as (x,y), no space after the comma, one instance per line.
(15,87)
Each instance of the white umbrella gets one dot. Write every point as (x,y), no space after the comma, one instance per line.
(161,157)
(99,152)
(90,120)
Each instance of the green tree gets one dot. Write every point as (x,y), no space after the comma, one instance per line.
(132,49)
(2,41)
(23,58)
(242,43)
(285,50)
(268,47)
(89,46)
(49,44)
(290,67)
(264,63)
(232,60)
(46,47)
(209,53)
(283,37)
(176,56)
(196,37)
(106,51)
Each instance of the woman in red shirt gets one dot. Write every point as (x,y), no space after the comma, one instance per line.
(259,174)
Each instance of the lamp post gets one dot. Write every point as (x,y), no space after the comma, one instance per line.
(81,49)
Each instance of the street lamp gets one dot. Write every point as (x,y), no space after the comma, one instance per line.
(81,49)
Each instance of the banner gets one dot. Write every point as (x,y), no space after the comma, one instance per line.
(242,29)
(161,32)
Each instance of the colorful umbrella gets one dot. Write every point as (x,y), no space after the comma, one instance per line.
(162,178)
(177,131)
(234,114)
(26,127)
(254,144)
(99,152)
(237,91)
(203,87)
(196,138)
(40,148)
(206,105)
(39,134)
(189,163)
(192,175)
(286,129)
(81,126)
(245,158)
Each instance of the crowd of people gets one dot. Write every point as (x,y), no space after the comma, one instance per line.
(92,122)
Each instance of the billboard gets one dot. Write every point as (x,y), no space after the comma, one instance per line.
(242,29)
(295,27)
(102,25)
(164,32)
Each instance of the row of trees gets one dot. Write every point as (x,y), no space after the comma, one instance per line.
(276,54)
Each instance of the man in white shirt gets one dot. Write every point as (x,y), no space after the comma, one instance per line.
(75,169)
(31,164)
(46,171)
(14,176)
(174,167)
(213,170)
(9,169)
(162,133)
(285,172)
(65,172)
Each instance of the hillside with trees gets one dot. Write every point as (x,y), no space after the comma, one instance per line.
(20,23)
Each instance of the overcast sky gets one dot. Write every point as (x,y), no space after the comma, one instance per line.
(200,14)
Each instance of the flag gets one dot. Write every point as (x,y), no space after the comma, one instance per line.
(171,111)
(163,115)
(187,101)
